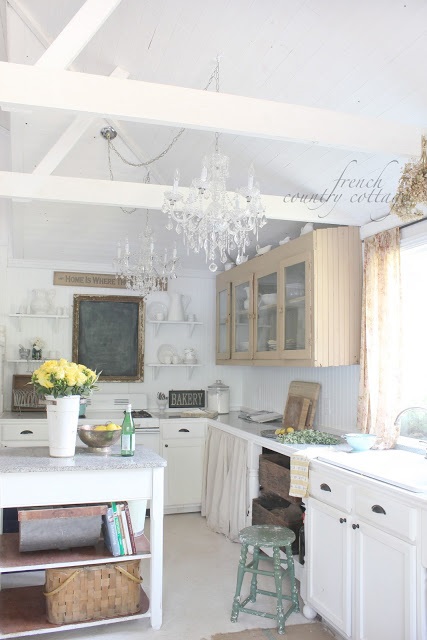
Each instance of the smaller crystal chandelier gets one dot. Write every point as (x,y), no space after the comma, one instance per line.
(144,270)
(211,219)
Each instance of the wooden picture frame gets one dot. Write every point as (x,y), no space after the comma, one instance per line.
(108,336)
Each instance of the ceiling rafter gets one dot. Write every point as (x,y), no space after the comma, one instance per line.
(77,33)
(68,139)
(22,86)
(132,194)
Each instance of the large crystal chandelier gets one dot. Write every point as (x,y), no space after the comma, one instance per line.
(210,218)
(143,269)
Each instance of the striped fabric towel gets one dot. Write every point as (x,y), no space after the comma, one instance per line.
(300,462)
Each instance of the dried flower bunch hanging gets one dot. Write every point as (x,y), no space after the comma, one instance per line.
(412,189)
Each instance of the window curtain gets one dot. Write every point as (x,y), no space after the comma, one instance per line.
(380,338)
(224,494)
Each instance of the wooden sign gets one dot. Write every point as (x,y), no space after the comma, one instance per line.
(186,398)
(76,279)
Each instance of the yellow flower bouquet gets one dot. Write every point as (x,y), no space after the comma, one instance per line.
(59,378)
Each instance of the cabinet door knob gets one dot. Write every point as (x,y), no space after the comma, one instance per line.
(377,508)
(325,487)
(355,526)
(184,431)
(25,432)
(166,445)
(343,520)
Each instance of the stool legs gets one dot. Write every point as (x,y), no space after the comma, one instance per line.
(278,577)
(254,583)
(240,574)
(291,573)
(278,573)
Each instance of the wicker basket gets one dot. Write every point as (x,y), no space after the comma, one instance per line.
(91,592)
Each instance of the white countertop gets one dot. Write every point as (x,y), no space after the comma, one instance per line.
(406,469)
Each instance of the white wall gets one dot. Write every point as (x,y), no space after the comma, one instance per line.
(257,387)
(22,279)
(267,388)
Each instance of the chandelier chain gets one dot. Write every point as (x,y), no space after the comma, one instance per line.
(214,76)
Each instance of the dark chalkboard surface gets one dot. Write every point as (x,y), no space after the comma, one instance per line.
(108,336)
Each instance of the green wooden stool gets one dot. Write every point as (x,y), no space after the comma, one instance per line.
(266,536)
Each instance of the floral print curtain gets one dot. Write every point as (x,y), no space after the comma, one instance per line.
(381,338)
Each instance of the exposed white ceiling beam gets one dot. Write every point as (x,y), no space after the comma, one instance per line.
(78,32)
(25,86)
(29,22)
(130,194)
(69,137)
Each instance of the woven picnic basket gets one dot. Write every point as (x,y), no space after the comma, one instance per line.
(91,592)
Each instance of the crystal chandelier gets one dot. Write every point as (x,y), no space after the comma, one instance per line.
(210,218)
(144,270)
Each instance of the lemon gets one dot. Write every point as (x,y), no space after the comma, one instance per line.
(290,430)
(112,427)
(279,432)
(101,427)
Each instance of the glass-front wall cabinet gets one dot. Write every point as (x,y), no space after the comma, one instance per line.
(223,323)
(266,316)
(242,316)
(295,330)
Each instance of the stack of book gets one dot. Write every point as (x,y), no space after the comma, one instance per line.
(117,530)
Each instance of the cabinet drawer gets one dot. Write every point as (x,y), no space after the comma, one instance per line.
(386,513)
(184,429)
(25,433)
(330,490)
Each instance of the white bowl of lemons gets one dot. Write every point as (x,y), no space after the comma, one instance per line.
(99,437)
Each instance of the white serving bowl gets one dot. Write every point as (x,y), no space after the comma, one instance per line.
(267,298)
(360,441)
(261,250)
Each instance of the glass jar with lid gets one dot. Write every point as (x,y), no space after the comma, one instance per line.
(219,397)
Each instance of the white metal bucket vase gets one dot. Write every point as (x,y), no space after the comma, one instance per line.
(62,420)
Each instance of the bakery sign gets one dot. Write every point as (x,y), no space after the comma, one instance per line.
(186,399)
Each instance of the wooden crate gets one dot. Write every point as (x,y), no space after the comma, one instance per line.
(271,509)
(275,475)
(43,528)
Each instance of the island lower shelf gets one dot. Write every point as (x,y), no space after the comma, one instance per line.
(23,609)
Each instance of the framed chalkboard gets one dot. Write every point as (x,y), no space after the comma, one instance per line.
(108,336)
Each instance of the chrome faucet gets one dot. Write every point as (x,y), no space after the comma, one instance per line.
(408,409)
(411,409)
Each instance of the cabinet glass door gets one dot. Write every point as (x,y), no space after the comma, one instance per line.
(295,334)
(223,323)
(242,316)
(265,332)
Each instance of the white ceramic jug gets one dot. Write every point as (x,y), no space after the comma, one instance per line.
(178,304)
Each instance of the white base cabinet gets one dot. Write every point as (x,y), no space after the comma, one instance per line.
(182,445)
(361,556)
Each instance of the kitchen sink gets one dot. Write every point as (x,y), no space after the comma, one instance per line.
(398,467)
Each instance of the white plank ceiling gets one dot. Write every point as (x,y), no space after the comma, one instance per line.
(357,66)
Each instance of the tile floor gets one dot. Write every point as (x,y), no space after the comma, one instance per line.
(199,581)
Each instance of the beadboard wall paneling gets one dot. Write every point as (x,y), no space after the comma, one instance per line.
(58,336)
(267,388)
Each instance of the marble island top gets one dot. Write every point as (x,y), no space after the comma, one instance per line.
(37,459)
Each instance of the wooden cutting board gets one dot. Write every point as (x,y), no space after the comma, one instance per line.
(295,405)
(296,412)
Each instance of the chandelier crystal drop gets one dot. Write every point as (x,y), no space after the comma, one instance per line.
(211,219)
(144,270)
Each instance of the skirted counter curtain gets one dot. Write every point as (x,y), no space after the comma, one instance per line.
(224,493)
(381,338)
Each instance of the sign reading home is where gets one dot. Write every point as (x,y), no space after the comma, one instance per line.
(186,399)
(76,279)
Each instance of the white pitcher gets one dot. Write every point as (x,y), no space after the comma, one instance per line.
(178,304)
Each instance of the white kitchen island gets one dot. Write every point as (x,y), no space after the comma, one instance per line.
(29,477)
